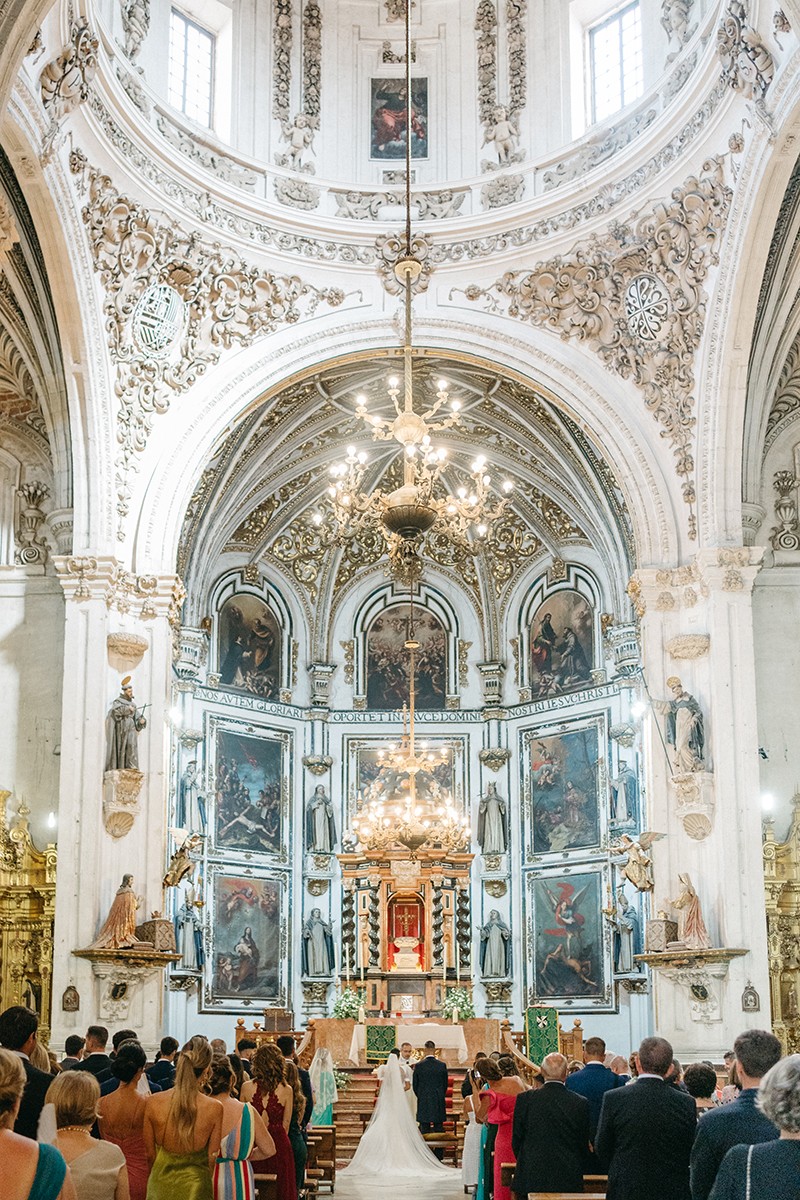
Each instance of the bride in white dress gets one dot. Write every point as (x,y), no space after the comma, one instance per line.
(392,1147)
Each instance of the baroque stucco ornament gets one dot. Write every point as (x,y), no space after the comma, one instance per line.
(227,302)
(747,65)
(587,295)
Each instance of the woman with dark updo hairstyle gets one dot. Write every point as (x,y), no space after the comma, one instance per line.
(243,1134)
(122,1115)
(271,1096)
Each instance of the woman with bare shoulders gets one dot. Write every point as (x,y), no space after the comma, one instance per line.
(122,1115)
(182,1130)
(243,1134)
(272,1097)
(30,1171)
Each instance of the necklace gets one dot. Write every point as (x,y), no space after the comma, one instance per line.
(75,1129)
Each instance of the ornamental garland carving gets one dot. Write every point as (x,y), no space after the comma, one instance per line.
(747,65)
(486,28)
(312,61)
(597,149)
(219,164)
(636,297)
(281,59)
(516,21)
(173,304)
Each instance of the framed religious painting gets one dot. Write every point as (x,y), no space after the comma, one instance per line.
(388,659)
(249,646)
(389,118)
(369,778)
(566,783)
(250,788)
(561,645)
(568,956)
(246,961)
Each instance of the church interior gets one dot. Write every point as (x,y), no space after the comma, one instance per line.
(399,531)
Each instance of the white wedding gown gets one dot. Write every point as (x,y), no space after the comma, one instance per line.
(392,1147)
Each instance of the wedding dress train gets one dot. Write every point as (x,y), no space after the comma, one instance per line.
(392,1147)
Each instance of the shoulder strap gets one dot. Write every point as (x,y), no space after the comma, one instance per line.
(749,1167)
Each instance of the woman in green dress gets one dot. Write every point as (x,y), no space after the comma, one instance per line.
(296,1139)
(323,1083)
(182,1130)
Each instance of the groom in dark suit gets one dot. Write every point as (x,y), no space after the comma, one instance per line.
(430,1087)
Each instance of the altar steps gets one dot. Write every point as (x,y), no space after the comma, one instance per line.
(357,1100)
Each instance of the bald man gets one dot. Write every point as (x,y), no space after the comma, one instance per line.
(550,1137)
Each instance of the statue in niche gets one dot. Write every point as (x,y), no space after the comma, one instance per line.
(625,790)
(190,812)
(320,823)
(123,724)
(685,730)
(626,935)
(634,862)
(318,953)
(119,928)
(692,931)
(503,132)
(495,947)
(492,822)
(188,933)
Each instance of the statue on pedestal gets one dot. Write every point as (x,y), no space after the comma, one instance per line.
(626,931)
(188,933)
(692,930)
(625,789)
(492,822)
(633,861)
(119,929)
(190,811)
(318,953)
(685,731)
(495,946)
(320,823)
(123,724)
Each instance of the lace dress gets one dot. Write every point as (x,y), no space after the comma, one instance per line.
(233,1173)
(282,1161)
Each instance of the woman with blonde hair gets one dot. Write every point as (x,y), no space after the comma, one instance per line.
(182,1130)
(296,1139)
(243,1132)
(272,1097)
(30,1171)
(98,1169)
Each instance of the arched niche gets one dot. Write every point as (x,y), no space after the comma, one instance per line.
(252,638)
(381,667)
(559,634)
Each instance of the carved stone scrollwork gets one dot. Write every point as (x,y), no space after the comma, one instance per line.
(498,998)
(315,998)
(64,83)
(31,546)
(212,160)
(297,193)
(786,535)
(596,149)
(694,795)
(506,189)
(391,247)
(121,800)
(637,985)
(135,25)
(494,757)
(464,648)
(119,982)
(747,65)
(125,650)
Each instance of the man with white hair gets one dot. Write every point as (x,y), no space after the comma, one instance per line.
(550,1136)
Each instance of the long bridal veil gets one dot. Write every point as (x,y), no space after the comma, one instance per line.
(392,1145)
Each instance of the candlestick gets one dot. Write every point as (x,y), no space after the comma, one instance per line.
(347,963)
(362,1016)
(455,1016)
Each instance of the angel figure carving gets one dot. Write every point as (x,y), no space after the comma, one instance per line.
(501,130)
(569,950)
(633,861)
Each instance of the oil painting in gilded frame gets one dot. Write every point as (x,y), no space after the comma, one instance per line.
(569,949)
(249,646)
(250,785)
(369,779)
(388,659)
(246,963)
(566,773)
(561,645)
(388,118)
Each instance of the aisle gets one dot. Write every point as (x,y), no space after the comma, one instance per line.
(407,1191)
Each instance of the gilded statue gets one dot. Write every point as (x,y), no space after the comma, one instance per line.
(119,928)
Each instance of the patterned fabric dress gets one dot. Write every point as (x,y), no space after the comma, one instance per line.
(233,1174)
(282,1162)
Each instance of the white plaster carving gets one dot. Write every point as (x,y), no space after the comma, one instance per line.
(125,650)
(8,229)
(119,981)
(694,802)
(121,806)
(135,25)
(312,61)
(31,546)
(281,59)
(217,163)
(596,149)
(676,20)
(486,28)
(64,83)
(747,65)
(688,645)
(506,189)
(296,193)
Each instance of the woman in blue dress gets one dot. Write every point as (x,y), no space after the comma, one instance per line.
(30,1171)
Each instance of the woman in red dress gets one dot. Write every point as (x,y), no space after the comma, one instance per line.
(497,1108)
(271,1096)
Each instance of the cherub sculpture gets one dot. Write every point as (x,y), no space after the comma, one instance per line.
(632,860)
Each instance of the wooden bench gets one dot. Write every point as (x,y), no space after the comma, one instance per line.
(593,1185)
(323,1139)
(266,1187)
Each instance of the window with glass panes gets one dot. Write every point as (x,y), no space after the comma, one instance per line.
(615,54)
(191,68)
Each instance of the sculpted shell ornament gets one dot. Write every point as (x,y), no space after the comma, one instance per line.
(636,297)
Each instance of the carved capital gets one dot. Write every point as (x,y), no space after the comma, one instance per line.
(688,645)
(125,650)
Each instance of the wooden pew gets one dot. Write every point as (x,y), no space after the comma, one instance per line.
(266,1187)
(324,1156)
(593,1185)
(566,1195)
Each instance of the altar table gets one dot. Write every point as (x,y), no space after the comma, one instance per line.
(446,1037)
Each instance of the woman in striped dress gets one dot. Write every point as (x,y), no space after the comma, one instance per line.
(242,1131)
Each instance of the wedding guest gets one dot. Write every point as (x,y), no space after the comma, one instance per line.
(497,1109)
(73,1051)
(550,1136)
(122,1116)
(246,1049)
(162,1071)
(219,1046)
(323,1084)
(285,1044)
(466,1086)
(41,1060)
(593,1081)
(273,1099)
(122,1035)
(18,1026)
(97,1168)
(238,1075)
(701,1083)
(182,1130)
(243,1132)
(296,1140)
(509,1070)
(95,1060)
(30,1171)
(768,1169)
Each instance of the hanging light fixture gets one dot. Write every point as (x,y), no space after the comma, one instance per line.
(405,815)
(422,503)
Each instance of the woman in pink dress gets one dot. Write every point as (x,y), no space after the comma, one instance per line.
(497,1108)
(122,1115)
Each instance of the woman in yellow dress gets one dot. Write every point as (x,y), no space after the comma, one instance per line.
(182,1130)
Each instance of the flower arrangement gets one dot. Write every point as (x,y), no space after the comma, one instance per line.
(458,999)
(342,1079)
(348,1003)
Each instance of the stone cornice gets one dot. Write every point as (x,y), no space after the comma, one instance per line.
(86,577)
(730,569)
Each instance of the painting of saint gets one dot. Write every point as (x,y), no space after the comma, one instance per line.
(374,780)
(388,118)
(568,937)
(562,645)
(249,646)
(246,929)
(564,790)
(248,775)
(389,661)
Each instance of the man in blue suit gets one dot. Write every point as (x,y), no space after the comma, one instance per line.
(594,1080)
(740,1122)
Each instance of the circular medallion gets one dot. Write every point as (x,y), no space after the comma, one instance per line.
(647,306)
(158,319)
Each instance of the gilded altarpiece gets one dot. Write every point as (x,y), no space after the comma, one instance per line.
(782,886)
(27,905)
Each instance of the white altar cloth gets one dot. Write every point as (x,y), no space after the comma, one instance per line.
(446,1037)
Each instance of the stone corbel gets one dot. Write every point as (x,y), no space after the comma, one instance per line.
(321,677)
(189,656)
(315,998)
(623,641)
(694,802)
(121,800)
(121,973)
(494,757)
(317,764)
(491,674)
(125,650)
(688,645)
(701,972)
